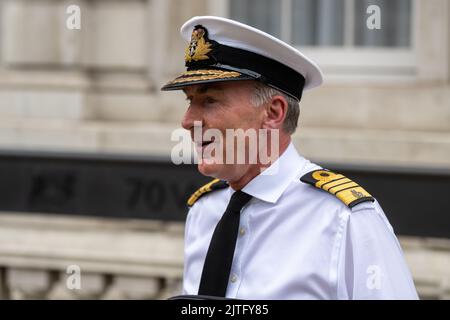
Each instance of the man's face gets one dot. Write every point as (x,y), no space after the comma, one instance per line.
(221,106)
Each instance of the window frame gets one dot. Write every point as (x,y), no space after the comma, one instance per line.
(347,62)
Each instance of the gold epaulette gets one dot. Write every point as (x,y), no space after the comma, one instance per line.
(346,190)
(216,184)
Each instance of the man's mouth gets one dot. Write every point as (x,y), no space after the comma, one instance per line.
(203,143)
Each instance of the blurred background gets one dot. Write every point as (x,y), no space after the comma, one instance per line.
(86,181)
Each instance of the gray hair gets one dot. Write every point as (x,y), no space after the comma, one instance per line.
(263,93)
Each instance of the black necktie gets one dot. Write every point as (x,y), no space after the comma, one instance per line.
(216,270)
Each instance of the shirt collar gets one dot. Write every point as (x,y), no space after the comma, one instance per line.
(272,182)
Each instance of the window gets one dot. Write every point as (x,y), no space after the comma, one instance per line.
(327,22)
(335,32)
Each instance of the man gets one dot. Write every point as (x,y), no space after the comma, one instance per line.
(283,228)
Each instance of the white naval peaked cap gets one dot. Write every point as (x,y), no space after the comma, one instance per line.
(221,49)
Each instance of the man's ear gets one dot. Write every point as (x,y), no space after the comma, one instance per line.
(276,111)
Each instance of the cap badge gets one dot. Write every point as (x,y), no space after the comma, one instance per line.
(199,47)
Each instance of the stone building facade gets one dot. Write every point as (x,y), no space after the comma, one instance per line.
(96,90)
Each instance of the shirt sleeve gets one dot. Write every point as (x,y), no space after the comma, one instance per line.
(371,263)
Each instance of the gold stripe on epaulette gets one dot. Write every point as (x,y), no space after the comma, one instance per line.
(342,187)
(197,194)
(335,183)
(353,194)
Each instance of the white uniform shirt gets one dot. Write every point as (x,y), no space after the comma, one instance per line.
(299,242)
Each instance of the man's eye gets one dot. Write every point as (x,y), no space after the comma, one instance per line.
(210,100)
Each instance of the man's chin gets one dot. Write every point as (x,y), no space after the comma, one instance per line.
(210,169)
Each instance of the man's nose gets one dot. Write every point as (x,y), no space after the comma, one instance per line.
(191,115)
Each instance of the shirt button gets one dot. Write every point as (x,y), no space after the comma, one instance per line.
(234,278)
(242,231)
